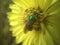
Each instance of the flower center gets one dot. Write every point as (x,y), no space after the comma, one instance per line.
(33,18)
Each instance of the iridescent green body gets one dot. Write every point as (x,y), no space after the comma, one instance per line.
(33,22)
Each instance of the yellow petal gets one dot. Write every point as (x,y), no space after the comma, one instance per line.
(20,38)
(49,39)
(25,4)
(15,8)
(18,30)
(41,4)
(48,3)
(54,7)
(27,40)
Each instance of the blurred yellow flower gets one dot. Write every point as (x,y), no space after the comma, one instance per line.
(30,21)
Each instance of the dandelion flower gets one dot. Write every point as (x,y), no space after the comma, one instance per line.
(33,22)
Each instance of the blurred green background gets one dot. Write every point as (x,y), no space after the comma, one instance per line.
(5,35)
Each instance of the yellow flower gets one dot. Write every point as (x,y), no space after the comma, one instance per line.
(32,21)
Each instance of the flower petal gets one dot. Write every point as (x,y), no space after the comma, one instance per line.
(18,30)
(20,38)
(41,3)
(28,40)
(24,3)
(54,7)
(49,39)
(48,3)
(54,29)
(15,8)
(37,39)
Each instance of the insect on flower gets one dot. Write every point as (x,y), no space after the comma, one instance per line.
(34,20)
